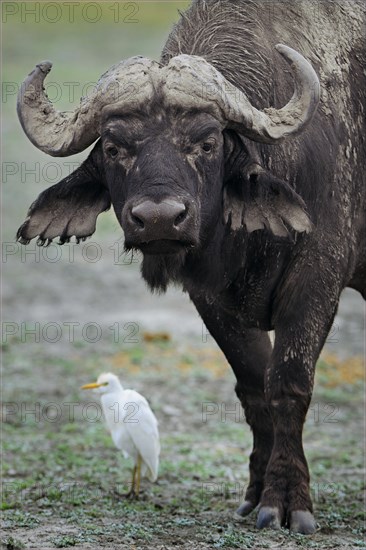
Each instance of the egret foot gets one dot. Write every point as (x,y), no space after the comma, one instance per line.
(131,495)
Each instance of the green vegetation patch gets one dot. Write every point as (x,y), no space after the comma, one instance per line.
(63,477)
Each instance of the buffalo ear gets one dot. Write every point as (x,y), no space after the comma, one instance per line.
(69,208)
(258,200)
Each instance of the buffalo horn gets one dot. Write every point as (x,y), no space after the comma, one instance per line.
(193,82)
(65,133)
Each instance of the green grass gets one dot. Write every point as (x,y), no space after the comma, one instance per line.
(65,476)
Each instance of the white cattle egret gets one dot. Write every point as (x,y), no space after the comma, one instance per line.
(132,424)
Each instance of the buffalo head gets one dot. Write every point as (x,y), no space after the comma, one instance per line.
(175,155)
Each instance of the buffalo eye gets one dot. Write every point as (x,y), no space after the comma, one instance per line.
(112,152)
(207,147)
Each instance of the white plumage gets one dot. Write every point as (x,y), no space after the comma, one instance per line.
(132,425)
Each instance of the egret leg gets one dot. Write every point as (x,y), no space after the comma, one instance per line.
(131,493)
(138,475)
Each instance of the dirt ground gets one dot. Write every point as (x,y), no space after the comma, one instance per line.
(63,480)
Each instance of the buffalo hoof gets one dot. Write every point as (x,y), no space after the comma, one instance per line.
(269,517)
(302,521)
(245,508)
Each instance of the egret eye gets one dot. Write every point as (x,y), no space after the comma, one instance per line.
(207,147)
(112,152)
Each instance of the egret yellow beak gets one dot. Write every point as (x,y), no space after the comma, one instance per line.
(93,385)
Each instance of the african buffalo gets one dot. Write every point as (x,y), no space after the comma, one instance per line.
(241,180)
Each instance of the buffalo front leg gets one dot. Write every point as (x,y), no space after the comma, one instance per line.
(258,417)
(248,352)
(288,387)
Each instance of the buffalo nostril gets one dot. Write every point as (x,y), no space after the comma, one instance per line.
(138,216)
(137,221)
(181,217)
(149,216)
